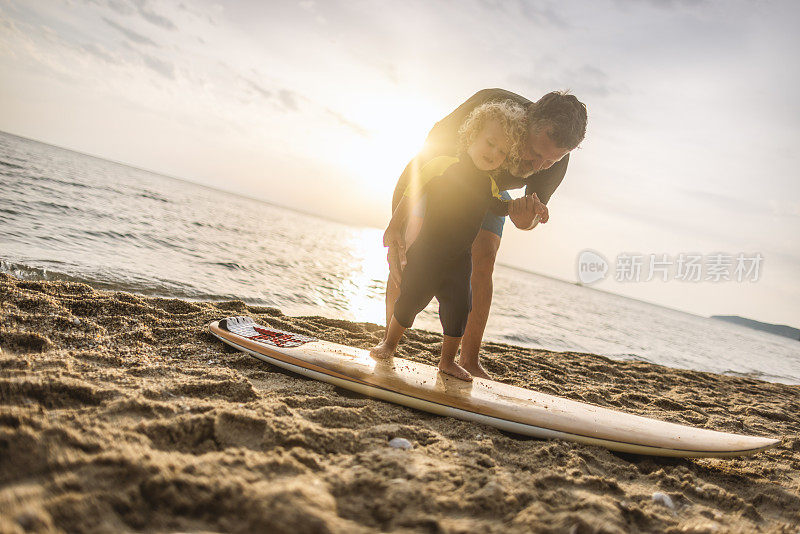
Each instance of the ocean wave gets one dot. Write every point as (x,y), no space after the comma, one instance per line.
(60,208)
(628,356)
(154,196)
(759,375)
(151,288)
(10,211)
(520,339)
(26,272)
(109,234)
(232,265)
(70,183)
(11,165)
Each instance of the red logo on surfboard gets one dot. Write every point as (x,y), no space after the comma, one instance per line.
(280,339)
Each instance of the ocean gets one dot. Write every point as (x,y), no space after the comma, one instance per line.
(69,216)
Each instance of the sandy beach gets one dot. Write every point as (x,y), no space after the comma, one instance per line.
(120,412)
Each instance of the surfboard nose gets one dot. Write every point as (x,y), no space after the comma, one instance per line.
(763,444)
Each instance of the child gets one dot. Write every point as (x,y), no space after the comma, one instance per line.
(458,192)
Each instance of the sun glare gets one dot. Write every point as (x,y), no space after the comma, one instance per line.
(396,130)
(363,289)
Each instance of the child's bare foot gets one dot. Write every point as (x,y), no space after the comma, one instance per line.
(455,370)
(382,351)
(476,370)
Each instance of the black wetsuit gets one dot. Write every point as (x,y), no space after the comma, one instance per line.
(439,262)
(442,140)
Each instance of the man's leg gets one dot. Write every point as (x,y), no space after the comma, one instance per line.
(484,253)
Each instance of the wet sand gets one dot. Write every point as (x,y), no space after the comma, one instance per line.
(119,412)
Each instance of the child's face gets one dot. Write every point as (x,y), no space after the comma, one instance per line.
(490,148)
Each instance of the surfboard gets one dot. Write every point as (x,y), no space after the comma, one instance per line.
(503,406)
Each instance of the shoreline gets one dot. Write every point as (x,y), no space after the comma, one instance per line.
(121,412)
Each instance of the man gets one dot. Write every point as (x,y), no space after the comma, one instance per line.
(555,124)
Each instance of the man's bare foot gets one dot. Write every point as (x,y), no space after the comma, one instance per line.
(476,370)
(455,370)
(382,351)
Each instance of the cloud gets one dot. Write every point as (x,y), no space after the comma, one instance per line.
(140,7)
(288,98)
(160,66)
(115,5)
(584,81)
(153,17)
(746,203)
(537,12)
(258,89)
(675,3)
(592,81)
(130,34)
(96,51)
(285,98)
(341,119)
(312,8)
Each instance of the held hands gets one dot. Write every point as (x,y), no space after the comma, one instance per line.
(394,239)
(525,210)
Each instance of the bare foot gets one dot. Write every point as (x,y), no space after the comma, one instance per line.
(455,370)
(382,351)
(476,370)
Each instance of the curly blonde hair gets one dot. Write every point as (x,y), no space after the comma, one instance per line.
(511,117)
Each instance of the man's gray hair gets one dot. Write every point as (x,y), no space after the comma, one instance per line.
(562,114)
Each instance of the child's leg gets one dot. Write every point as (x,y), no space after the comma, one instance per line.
(387,347)
(417,288)
(447,363)
(455,301)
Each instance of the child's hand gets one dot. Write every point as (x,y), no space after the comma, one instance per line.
(525,210)
(394,239)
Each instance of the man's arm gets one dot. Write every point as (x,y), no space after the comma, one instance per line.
(539,188)
(544,183)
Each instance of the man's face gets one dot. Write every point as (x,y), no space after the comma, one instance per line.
(539,153)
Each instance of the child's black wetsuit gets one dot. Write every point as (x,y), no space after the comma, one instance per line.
(439,262)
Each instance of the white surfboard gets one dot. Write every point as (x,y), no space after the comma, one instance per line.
(506,407)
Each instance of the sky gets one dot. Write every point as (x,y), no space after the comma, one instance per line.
(318,106)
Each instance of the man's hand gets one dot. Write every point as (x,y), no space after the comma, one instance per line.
(394,239)
(523,211)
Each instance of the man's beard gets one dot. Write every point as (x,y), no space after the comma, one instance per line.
(522,169)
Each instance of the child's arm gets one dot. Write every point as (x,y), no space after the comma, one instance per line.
(397,224)
(499,206)
(394,236)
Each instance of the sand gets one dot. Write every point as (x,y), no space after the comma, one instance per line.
(119,412)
